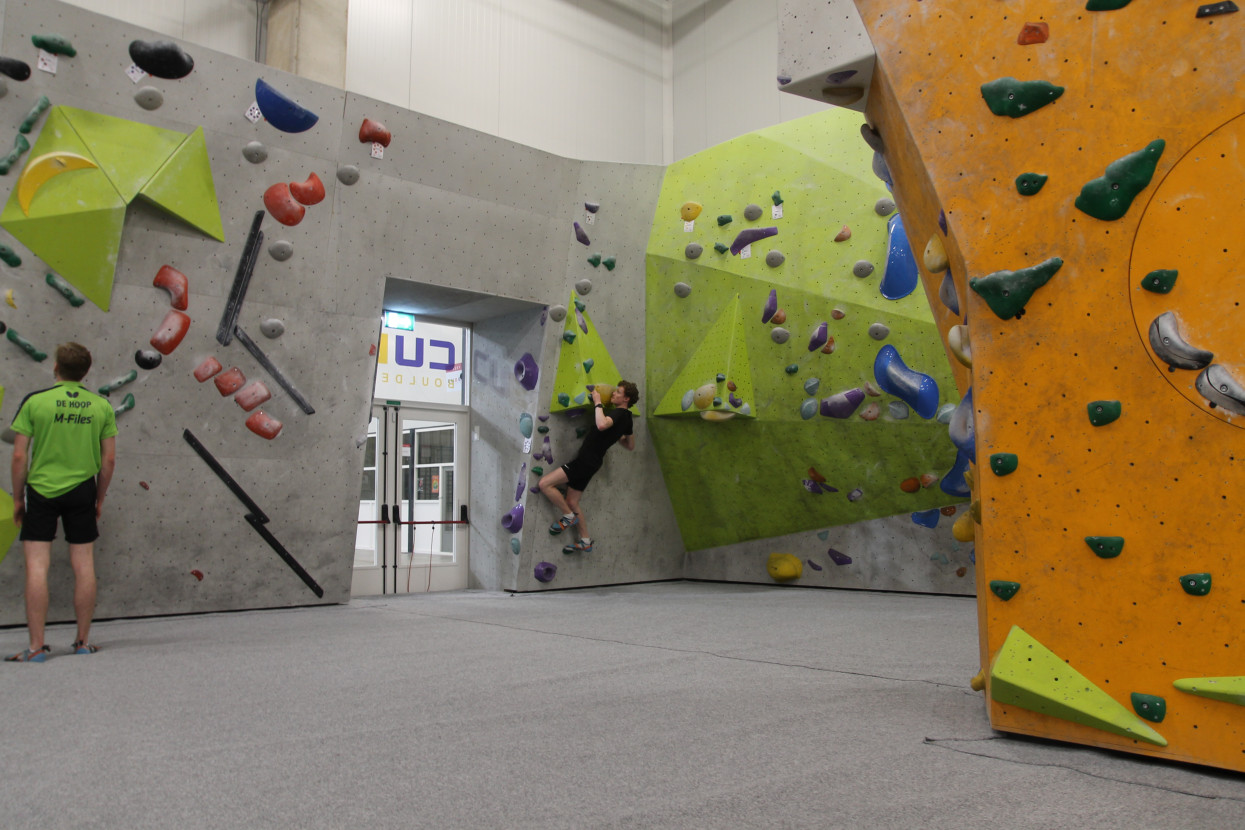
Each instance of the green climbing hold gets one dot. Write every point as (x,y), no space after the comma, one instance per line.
(564,399)
(542,429)
(720,377)
(1105,547)
(1006,292)
(792,369)
(515,545)
(1027,184)
(1004,463)
(588,364)
(127,403)
(66,290)
(594,260)
(1109,197)
(568,336)
(609,262)
(579,304)
(9,258)
(777,198)
(580,432)
(56,44)
(1008,96)
(581,398)
(1004,590)
(28,123)
(720,247)
(1196,585)
(538,471)
(26,346)
(1151,707)
(20,146)
(725,219)
(116,383)
(1161,281)
(525,421)
(1105,5)
(1102,413)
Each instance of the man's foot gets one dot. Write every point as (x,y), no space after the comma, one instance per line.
(28,656)
(80,647)
(582,546)
(569,520)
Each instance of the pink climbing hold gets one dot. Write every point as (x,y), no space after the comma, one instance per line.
(174,282)
(252,395)
(309,192)
(281,204)
(171,332)
(209,367)
(230,381)
(263,425)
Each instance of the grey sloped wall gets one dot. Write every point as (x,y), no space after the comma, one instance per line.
(446,206)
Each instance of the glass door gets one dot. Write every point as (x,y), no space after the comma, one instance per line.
(412,535)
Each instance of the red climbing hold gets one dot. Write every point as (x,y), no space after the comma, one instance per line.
(1033,33)
(910,485)
(263,425)
(371,350)
(230,381)
(144,485)
(209,367)
(281,204)
(174,282)
(171,332)
(374,132)
(197,574)
(310,192)
(252,395)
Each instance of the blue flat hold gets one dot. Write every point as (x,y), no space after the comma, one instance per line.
(281,112)
(900,277)
(927,518)
(917,390)
(961,427)
(953,483)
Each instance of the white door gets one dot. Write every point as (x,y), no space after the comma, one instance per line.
(412,532)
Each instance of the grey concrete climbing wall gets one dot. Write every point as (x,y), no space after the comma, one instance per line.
(445,206)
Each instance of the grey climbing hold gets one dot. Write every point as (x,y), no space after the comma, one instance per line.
(255,152)
(1216,384)
(945,412)
(774,258)
(879,331)
(809,408)
(884,206)
(898,410)
(348,174)
(872,137)
(693,250)
(281,250)
(557,313)
(947,293)
(811,386)
(149,98)
(1172,349)
(862,268)
(881,170)
(272,328)
(689,397)
(583,287)
(682,289)
(779,334)
(4,88)
(752,212)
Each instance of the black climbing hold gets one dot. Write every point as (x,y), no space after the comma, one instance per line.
(147,358)
(1212,9)
(161,58)
(15,69)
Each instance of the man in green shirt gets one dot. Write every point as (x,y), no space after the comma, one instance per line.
(68,437)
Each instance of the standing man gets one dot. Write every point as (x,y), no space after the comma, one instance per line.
(68,436)
(607,430)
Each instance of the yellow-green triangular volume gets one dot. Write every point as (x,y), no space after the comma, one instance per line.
(1227,689)
(8,530)
(183,186)
(1027,674)
(570,384)
(128,151)
(722,352)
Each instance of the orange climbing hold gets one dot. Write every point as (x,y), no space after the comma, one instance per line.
(780,317)
(281,204)
(171,332)
(174,282)
(1032,33)
(310,192)
(844,234)
(374,132)
(263,425)
(910,485)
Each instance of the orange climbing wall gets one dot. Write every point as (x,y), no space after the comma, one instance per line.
(1169,475)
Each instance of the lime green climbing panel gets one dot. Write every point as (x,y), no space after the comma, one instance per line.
(723,353)
(570,384)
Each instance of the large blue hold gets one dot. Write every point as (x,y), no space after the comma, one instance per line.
(954,483)
(281,112)
(900,277)
(917,390)
(927,518)
(961,427)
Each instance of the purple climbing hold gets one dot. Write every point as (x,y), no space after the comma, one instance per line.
(840,77)
(916,389)
(856,495)
(821,336)
(771,306)
(811,486)
(843,404)
(579,318)
(518,489)
(545,571)
(900,277)
(513,521)
(942,222)
(813,565)
(783,80)
(749,235)
(581,236)
(735,400)
(838,558)
(526,372)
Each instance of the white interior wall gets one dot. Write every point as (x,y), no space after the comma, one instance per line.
(224,25)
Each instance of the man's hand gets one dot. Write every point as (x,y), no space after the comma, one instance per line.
(19,509)
(99,506)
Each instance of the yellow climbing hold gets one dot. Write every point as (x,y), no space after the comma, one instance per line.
(690,211)
(963,529)
(784,567)
(703,396)
(935,255)
(957,343)
(978,683)
(8,298)
(43,168)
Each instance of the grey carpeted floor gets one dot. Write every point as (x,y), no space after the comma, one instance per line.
(668,705)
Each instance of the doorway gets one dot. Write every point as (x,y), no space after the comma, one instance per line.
(412,534)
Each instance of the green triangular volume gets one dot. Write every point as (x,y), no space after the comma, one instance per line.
(722,351)
(1027,674)
(572,379)
(129,152)
(183,186)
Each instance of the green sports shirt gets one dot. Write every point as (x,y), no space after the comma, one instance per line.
(65,425)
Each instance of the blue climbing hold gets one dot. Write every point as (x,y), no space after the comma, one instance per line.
(900,277)
(916,389)
(953,483)
(927,518)
(280,111)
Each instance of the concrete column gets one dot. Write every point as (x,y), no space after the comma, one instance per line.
(308,38)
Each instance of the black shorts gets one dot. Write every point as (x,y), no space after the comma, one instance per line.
(578,473)
(76,510)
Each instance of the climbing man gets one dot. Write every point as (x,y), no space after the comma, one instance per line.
(68,436)
(607,429)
